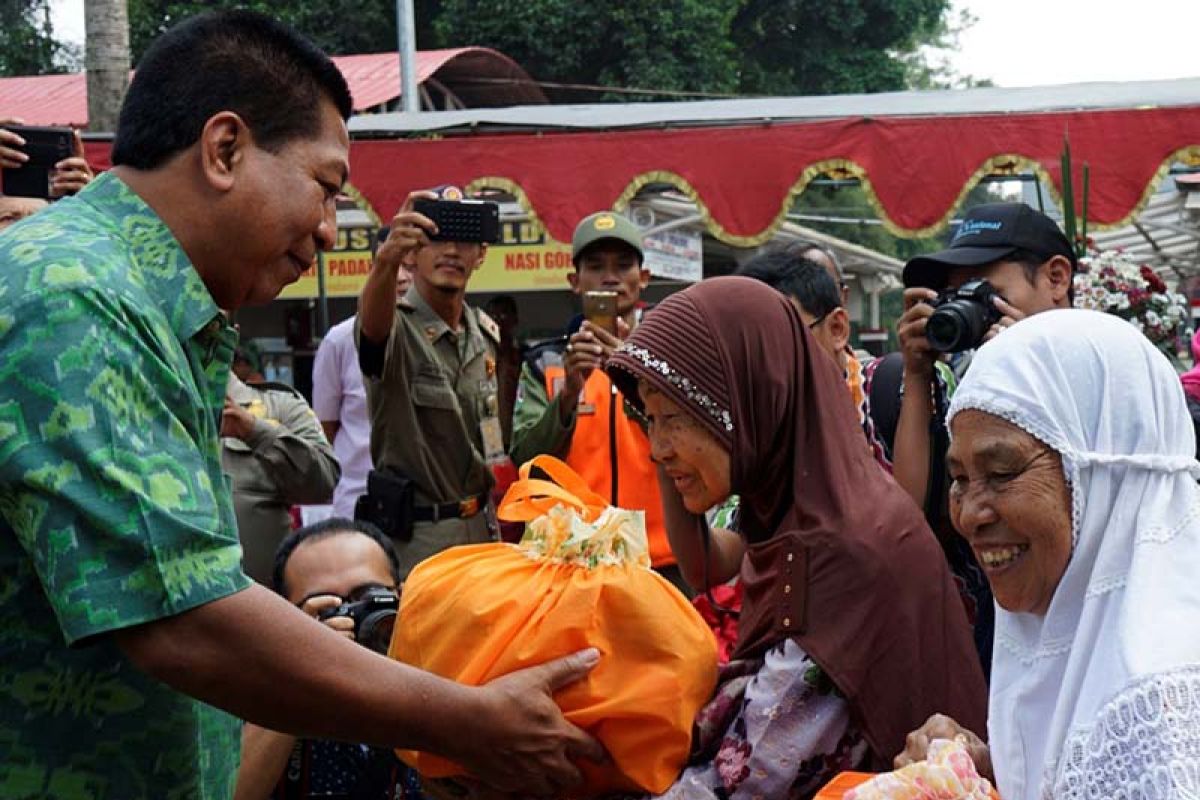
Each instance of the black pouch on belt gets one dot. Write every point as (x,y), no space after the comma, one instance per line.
(388,503)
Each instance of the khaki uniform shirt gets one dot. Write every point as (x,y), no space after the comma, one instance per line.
(286,461)
(435,391)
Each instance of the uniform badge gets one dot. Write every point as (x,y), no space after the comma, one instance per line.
(605,223)
(491,367)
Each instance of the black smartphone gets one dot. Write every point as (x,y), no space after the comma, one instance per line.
(462,220)
(45,148)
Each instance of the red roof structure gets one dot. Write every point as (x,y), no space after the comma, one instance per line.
(475,76)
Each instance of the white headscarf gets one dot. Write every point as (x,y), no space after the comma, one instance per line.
(1100,698)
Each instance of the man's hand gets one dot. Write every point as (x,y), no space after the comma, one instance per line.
(1011,316)
(521,741)
(409,232)
(589,348)
(71,174)
(11,154)
(236,421)
(919,357)
(939,726)
(313,606)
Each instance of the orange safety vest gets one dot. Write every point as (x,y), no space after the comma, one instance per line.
(611,452)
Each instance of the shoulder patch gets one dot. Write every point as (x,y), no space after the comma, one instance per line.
(488,325)
(273,386)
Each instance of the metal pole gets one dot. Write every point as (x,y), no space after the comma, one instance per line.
(406,35)
(322,297)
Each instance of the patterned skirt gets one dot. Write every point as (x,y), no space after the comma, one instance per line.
(777,728)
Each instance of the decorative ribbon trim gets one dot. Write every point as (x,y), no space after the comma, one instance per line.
(1003,164)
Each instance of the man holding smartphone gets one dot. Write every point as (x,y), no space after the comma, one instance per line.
(567,407)
(429,364)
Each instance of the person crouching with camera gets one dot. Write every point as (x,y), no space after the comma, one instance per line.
(344,573)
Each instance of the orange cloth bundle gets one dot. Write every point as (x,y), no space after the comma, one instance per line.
(579,578)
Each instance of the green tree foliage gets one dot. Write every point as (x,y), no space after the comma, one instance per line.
(776,47)
(667,45)
(337,26)
(644,50)
(928,66)
(803,47)
(27,43)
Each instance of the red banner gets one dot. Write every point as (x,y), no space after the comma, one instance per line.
(916,170)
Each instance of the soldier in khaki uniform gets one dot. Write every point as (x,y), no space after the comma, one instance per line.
(429,364)
(274,451)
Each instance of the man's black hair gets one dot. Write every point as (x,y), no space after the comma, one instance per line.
(239,61)
(806,281)
(1031,262)
(325,529)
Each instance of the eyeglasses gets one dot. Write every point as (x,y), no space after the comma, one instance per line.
(812,326)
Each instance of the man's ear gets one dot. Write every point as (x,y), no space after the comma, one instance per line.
(224,142)
(1058,275)
(643,278)
(573,279)
(838,325)
(482,256)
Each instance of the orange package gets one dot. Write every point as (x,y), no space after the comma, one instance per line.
(579,578)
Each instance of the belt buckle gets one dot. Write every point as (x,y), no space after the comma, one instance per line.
(469,507)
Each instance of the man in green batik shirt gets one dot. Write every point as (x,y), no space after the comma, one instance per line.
(125,620)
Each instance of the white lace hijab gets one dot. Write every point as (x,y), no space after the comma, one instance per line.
(1100,698)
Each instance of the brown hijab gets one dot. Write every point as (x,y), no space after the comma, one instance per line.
(838,557)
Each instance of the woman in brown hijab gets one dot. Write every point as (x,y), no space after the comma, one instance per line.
(851,633)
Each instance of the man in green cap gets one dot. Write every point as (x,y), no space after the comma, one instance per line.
(429,364)
(567,407)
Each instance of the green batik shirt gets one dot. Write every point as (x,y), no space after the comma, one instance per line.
(113,507)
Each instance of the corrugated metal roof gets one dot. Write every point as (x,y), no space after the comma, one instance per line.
(604,116)
(1166,235)
(374,79)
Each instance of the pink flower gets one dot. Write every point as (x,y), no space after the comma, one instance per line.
(733,763)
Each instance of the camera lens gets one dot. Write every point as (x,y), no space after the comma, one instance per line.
(375,631)
(956,326)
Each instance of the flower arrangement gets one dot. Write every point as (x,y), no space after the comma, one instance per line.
(1113,282)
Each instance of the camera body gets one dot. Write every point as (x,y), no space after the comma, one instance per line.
(962,317)
(374,615)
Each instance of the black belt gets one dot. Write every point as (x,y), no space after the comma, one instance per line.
(464,509)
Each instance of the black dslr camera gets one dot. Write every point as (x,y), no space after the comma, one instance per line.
(962,317)
(374,615)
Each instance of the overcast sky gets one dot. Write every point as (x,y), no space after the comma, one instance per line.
(1023,42)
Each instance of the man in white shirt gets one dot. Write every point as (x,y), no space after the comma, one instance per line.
(340,400)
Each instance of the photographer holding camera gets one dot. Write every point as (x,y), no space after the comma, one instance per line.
(429,364)
(1005,262)
(343,573)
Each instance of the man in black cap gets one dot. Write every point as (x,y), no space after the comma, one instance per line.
(1024,255)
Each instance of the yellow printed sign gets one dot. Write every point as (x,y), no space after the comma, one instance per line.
(525,259)
(518,268)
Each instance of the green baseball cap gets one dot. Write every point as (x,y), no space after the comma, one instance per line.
(605,225)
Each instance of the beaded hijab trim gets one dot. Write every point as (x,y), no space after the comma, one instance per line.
(693,392)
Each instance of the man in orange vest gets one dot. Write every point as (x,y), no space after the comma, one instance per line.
(566,406)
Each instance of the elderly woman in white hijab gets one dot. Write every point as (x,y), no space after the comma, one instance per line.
(1072,464)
